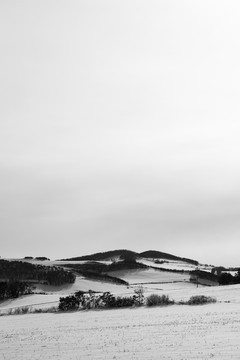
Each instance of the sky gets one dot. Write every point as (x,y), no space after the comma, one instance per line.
(119,128)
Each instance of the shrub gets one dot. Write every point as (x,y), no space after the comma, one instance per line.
(68,303)
(107,300)
(200,300)
(158,300)
(79,300)
(52,309)
(25,310)
(19,311)
(123,302)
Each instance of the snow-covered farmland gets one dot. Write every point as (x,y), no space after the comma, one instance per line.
(47,296)
(149,276)
(174,264)
(84,284)
(175,332)
(177,285)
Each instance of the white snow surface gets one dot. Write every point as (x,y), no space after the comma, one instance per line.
(174,264)
(148,276)
(175,332)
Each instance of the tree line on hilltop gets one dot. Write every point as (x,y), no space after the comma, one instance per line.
(24,271)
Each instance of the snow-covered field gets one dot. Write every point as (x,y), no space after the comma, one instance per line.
(175,332)
(53,293)
(174,265)
(149,276)
(154,281)
(176,285)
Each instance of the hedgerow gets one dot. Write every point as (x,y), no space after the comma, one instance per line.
(92,300)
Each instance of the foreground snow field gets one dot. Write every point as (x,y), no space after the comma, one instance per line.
(175,332)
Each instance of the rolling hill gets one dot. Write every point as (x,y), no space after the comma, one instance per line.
(123,253)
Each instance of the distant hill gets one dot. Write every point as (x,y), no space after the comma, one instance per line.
(123,254)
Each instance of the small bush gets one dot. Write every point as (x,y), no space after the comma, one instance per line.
(158,300)
(52,309)
(107,300)
(139,296)
(68,303)
(25,310)
(19,311)
(200,300)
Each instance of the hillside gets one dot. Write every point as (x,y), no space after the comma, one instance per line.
(119,272)
(123,253)
(104,256)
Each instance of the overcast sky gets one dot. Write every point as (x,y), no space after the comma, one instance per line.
(120,127)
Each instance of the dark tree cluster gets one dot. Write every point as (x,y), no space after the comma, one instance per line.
(205,275)
(91,300)
(24,271)
(13,289)
(228,279)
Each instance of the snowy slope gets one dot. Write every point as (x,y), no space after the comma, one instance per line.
(174,332)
